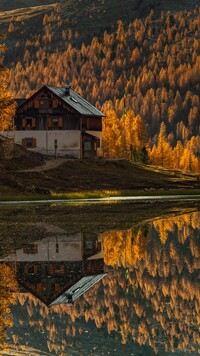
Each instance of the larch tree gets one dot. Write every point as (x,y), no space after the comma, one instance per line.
(190,158)
(140,134)
(127,132)
(111,140)
(162,152)
(8,289)
(7,103)
(140,141)
(177,154)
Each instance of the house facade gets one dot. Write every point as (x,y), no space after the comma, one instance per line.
(59,269)
(58,121)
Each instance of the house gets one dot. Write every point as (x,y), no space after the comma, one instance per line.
(59,269)
(59,121)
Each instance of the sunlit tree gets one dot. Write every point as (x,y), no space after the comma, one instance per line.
(7,104)
(162,152)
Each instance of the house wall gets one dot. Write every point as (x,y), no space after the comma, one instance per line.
(51,249)
(68,141)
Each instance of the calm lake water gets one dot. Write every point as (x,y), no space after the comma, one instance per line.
(125,292)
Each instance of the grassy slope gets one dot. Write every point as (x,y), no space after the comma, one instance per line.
(101,174)
(75,175)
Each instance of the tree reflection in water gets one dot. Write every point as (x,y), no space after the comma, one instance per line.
(8,289)
(150,296)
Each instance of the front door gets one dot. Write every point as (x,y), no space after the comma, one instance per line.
(89,146)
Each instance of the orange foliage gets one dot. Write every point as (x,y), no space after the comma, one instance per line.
(7,105)
(8,289)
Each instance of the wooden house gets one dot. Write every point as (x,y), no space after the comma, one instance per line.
(59,269)
(59,121)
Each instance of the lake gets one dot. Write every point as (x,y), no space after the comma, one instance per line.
(132,290)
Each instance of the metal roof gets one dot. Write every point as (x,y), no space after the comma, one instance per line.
(80,287)
(76,101)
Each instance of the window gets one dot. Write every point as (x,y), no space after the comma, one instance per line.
(87,146)
(55,123)
(29,142)
(30,249)
(28,123)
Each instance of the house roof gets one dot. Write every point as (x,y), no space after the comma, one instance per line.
(78,289)
(76,101)
(73,99)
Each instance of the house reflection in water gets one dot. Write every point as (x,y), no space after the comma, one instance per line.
(59,269)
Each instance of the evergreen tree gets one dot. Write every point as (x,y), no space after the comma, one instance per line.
(7,104)
(161,153)
(144,155)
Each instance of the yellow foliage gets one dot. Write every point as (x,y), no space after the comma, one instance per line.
(123,248)
(7,104)
(8,289)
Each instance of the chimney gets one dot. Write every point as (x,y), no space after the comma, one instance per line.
(67,90)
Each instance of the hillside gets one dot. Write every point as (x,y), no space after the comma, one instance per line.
(17,177)
(19,4)
(94,16)
(129,61)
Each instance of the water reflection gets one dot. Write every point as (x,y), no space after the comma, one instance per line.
(59,268)
(8,289)
(134,291)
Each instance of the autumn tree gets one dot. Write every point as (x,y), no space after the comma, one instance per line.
(162,152)
(177,154)
(8,288)
(7,104)
(111,141)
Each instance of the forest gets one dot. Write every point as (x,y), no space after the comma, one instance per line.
(146,71)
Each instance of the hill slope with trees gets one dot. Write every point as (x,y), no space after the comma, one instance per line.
(147,66)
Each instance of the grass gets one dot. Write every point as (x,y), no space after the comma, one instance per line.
(95,194)
(121,193)
(77,179)
(87,194)
(90,217)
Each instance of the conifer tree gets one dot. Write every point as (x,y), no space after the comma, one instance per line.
(7,104)
(162,152)
(8,289)
(177,154)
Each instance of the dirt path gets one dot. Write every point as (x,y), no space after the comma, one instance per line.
(49,164)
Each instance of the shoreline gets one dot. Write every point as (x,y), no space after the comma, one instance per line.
(22,224)
(108,199)
(101,194)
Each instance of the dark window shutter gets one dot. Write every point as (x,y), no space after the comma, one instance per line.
(33,142)
(49,122)
(23,123)
(60,122)
(33,123)
(24,142)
